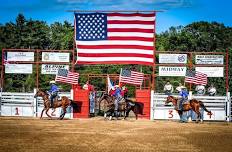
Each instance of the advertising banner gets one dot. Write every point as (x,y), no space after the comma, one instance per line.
(20,56)
(55,57)
(172,71)
(52,68)
(172,58)
(209,59)
(211,71)
(18,68)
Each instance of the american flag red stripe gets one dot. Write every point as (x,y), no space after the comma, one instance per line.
(131,77)
(130,40)
(66,76)
(196,77)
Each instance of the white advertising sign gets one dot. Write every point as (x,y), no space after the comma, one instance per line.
(52,68)
(172,58)
(209,59)
(55,57)
(20,56)
(211,71)
(172,71)
(18,68)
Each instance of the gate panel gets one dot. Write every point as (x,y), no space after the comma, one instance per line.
(144,96)
(81,97)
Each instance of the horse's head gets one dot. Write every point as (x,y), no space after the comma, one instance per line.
(106,97)
(171,99)
(39,93)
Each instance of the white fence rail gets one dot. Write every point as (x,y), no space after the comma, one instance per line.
(218,105)
(24,104)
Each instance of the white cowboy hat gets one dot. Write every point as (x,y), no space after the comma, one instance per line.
(116,86)
(178,88)
(52,81)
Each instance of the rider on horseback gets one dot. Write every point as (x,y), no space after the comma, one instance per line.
(118,97)
(53,92)
(183,97)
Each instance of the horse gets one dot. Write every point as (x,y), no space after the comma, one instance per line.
(63,103)
(193,104)
(124,107)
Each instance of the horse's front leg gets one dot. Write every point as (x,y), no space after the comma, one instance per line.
(42,113)
(63,114)
(47,113)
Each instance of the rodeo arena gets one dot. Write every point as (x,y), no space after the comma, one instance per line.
(90,119)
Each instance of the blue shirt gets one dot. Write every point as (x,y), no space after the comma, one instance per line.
(183,94)
(117,92)
(54,88)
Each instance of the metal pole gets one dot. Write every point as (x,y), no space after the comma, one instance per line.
(112,11)
(37,69)
(3,68)
(227,70)
(154,56)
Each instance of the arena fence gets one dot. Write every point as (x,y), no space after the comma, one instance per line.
(218,105)
(24,104)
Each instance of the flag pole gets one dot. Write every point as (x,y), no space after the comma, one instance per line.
(119,81)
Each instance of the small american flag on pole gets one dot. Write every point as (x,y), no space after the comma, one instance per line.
(66,76)
(131,77)
(195,77)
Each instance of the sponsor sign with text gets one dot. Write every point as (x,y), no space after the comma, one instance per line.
(20,56)
(18,68)
(172,58)
(211,71)
(52,68)
(209,59)
(55,57)
(172,71)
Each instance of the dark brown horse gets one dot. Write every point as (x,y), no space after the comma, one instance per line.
(193,104)
(63,103)
(124,107)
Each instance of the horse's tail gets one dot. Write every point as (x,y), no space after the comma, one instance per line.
(139,107)
(203,106)
(73,104)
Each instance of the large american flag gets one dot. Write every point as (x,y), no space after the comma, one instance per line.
(195,77)
(66,76)
(115,38)
(131,77)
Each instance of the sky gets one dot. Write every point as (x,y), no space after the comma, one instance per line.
(174,12)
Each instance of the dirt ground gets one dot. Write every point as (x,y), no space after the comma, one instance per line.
(96,134)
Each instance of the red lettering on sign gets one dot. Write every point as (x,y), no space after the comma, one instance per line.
(16,111)
(210,114)
(170,112)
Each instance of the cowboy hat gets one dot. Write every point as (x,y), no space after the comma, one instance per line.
(116,86)
(52,81)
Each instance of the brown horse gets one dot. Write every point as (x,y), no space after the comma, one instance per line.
(124,107)
(193,104)
(63,103)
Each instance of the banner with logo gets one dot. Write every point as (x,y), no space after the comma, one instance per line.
(211,71)
(209,59)
(18,68)
(55,57)
(20,56)
(172,71)
(172,58)
(52,68)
